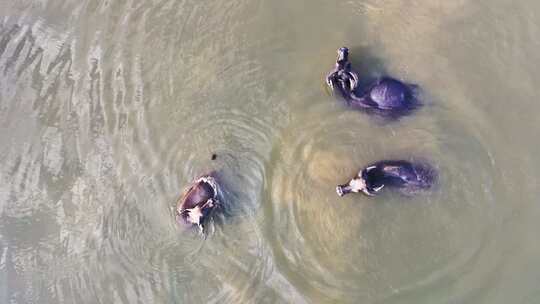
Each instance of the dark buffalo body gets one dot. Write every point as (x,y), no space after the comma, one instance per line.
(388,94)
(409,177)
(385,96)
(197,194)
(197,202)
(398,173)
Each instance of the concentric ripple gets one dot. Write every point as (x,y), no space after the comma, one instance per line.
(239,141)
(374,247)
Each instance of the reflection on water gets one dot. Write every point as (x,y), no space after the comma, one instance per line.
(109,109)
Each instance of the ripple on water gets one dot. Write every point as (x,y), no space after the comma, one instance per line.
(233,259)
(456,225)
(377,247)
(308,218)
(91,168)
(121,168)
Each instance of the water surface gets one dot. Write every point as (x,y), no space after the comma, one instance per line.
(110,108)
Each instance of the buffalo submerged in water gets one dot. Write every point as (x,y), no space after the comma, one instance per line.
(409,177)
(386,96)
(197,203)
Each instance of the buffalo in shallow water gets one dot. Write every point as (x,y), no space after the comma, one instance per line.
(407,176)
(386,96)
(198,201)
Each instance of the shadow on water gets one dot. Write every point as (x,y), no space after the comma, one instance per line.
(367,64)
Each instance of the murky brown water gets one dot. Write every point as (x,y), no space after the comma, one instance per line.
(109,108)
